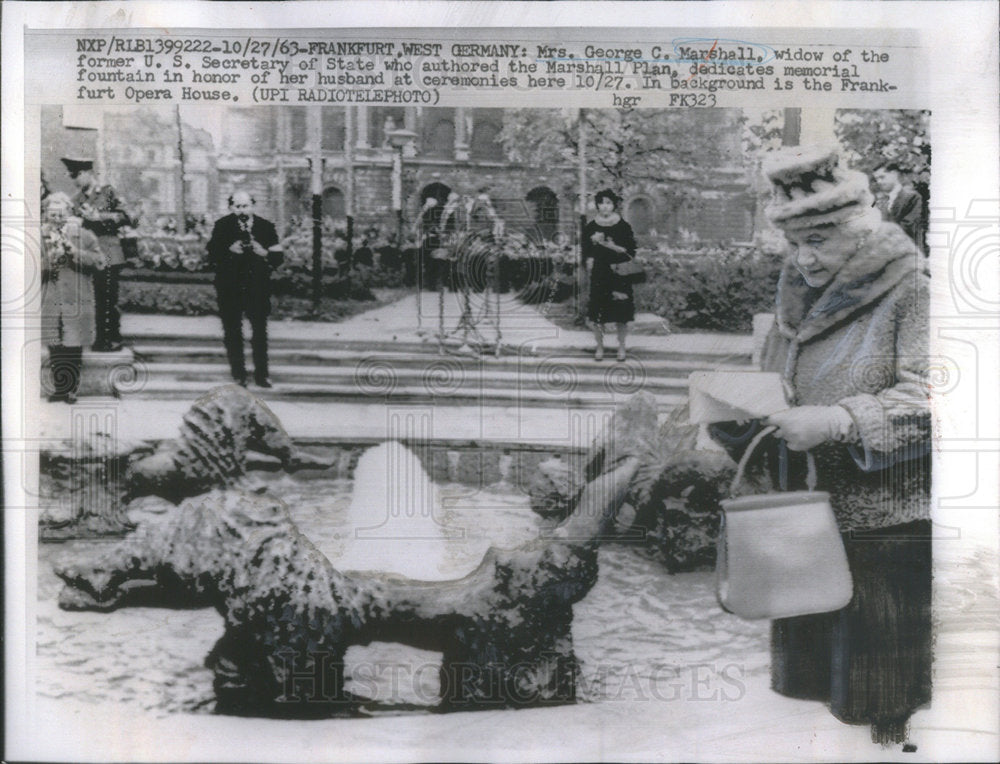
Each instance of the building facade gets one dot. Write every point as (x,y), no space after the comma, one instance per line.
(148,173)
(268,151)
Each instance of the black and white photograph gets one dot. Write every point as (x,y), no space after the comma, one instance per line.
(350,425)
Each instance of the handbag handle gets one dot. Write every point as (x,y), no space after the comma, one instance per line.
(741,467)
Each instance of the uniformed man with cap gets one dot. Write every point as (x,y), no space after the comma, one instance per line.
(102,213)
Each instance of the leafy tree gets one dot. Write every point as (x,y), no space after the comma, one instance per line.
(624,147)
(763,130)
(870,137)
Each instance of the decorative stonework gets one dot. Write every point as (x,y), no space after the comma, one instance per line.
(503,631)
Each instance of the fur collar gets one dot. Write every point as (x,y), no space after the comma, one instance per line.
(886,258)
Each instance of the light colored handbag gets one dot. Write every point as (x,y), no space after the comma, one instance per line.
(780,554)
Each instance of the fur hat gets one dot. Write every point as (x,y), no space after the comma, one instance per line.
(811,190)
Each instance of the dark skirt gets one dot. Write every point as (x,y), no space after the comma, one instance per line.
(603,307)
(870,661)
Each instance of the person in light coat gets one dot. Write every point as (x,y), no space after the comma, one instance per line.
(71,256)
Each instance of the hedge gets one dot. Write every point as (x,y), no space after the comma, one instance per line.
(716,287)
(712,287)
(176,299)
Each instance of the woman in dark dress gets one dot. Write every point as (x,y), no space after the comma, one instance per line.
(607,241)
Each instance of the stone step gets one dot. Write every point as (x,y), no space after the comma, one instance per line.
(171,387)
(374,375)
(150,344)
(580,362)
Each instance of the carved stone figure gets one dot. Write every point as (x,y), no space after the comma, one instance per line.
(503,630)
(225,431)
(672,501)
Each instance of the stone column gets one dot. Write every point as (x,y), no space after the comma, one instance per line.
(362,141)
(461,136)
(410,118)
(817,127)
(282,212)
(100,155)
(281,132)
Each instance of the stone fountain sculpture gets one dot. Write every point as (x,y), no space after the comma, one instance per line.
(503,630)
(225,433)
(672,503)
(88,481)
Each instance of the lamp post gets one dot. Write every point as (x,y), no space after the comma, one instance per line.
(399,139)
(349,167)
(316,184)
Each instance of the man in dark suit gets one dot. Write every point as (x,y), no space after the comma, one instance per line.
(903,205)
(243,249)
(104,215)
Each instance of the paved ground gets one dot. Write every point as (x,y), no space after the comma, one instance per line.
(522,327)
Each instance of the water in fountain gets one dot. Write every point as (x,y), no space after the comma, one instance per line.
(395,517)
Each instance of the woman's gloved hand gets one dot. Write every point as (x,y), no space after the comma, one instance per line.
(805,427)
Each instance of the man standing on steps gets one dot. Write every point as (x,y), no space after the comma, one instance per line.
(103,215)
(242,251)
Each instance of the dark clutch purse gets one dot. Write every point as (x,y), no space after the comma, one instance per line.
(631,272)
(275,257)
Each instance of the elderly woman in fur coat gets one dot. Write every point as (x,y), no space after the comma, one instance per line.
(71,255)
(850,339)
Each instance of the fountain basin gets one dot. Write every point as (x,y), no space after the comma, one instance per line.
(641,634)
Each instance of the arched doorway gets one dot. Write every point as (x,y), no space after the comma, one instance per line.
(545,207)
(437,190)
(333,204)
(439,139)
(639,213)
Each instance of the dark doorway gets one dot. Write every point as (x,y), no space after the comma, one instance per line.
(639,214)
(545,205)
(333,203)
(435,190)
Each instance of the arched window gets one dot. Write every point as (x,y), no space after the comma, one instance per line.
(545,206)
(381,117)
(639,214)
(248,131)
(334,128)
(485,143)
(439,140)
(298,130)
(333,203)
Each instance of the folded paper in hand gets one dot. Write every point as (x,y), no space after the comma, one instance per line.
(726,396)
